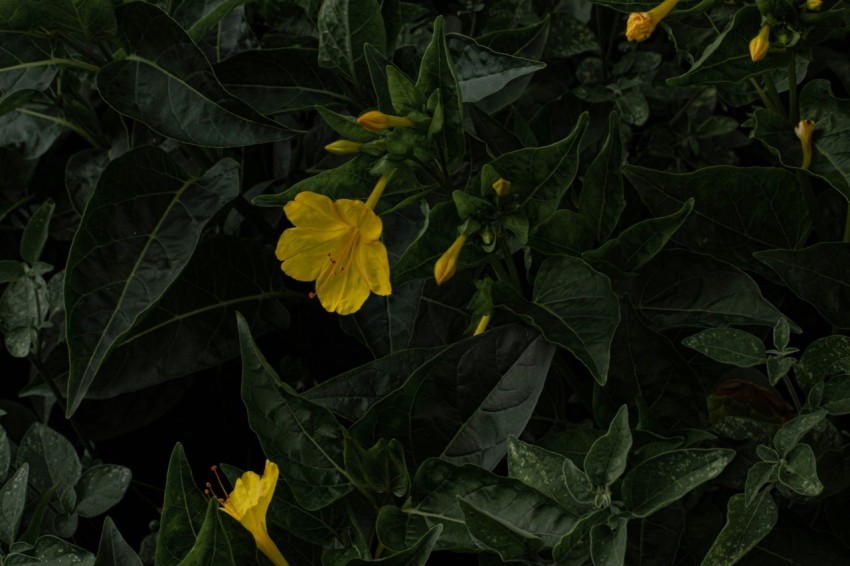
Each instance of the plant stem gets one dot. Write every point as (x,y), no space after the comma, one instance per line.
(768,103)
(792,392)
(509,262)
(793,103)
(770,88)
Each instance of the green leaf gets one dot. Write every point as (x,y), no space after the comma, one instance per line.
(36,232)
(92,19)
(602,199)
(680,288)
(737,210)
(540,176)
(31,130)
(26,63)
(101,487)
(781,334)
(437,73)
(274,81)
(138,232)
(382,467)
(183,511)
(496,535)
(199,17)
(303,438)
(607,546)
(199,110)
(830,156)
(663,479)
(563,232)
(727,59)
(836,395)
(5,454)
(13,498)
(113,549)
(439,485)
(639,243)
(53,461)
(574,547)
(221,541)
(482,72)
(440,412)
(346,126)
(794,430)
(817,275)
(344,26)
(11,270)
(606,460)
(53,551)
(799,471)
(758,475)
(728,346)
(578,484)
(824,357)
(745,526)
(415,555)
(561,310)
(379,73)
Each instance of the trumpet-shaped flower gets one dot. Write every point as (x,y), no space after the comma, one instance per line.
(376,121)
(336,244)
(248,504)
(446,266)
(760,44)
(804,130)
(641,24)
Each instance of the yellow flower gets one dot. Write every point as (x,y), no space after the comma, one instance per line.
(641,24)
(375,121)
(342,147)
(760,44)
(814,4)
(336,244)
(446,266)
(502,187)
(248,504)
(804,131)
(482,325)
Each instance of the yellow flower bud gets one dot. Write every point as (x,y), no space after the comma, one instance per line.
(804,131)
(342,147)
(502,187)
(641,24)
(376,121)
(446,266)
(760,44)
(482,325)
(814,4)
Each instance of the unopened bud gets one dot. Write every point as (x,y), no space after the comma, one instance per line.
(502,187)
(376,121)
(760,44)
(804,131)
(343,147)
(446,266)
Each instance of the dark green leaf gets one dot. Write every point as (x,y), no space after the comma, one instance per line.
(602,200)
(799,471)
(574,547)
(36,232)
(496,535)
(53,461)
(836,395)
(639,243)
(221,541)
(818,274)
(607,546)
(560,309)
(32,129)
(5,454)
(824,357)
(113,549)
(415,555)
(10,270)
(663,479)
(303,438)
(199,17)
(759,474)
(344,26)
(26,63)
(728,346)
(578,484)
(563,232)
(138,232)
(794,430)
(53,551)
(93,19)
(199,110)
(346,126)
(606,460)
(441,411)
(101,487)
(737,211)
(679,288)
(378,72)
(183,510)
(13,497)
(745,526)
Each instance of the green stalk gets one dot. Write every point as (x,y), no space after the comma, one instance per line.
(768,103)
(509,262)
(770,88)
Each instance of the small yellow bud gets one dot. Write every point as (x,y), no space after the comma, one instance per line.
(502,187)
(376,121)
(641,24)
(482,325)
(342,147)
(446,266)
(804,131)
(814,4)
(760,44)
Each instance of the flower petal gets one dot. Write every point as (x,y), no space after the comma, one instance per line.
(374,267)
(355,213)
(312,210)
(306,252)
(342,290)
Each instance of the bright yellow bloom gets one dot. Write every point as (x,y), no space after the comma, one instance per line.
(804,131)
(814,4)
(342,147)
(248,504)
(446,266)
(760,44)
(502,187)
(641,24)
(375,121)
(482,325)
(336,244)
